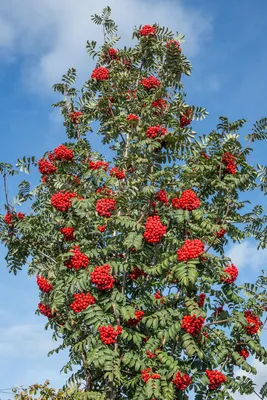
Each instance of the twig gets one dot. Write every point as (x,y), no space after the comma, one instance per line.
(50,258)
(5,189)
(218,322)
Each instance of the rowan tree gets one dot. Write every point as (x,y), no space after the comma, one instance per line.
(129,254)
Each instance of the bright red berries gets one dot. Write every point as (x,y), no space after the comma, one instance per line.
(82,301)
(8,218)
(45,310)
(201,300)
(254,323)
(78,260)
(150,83)
(161,196)
(221,233)
(154,229)
(186,118)
(147,30)
(63,153)
(150,354)
(104,207)
(45,167)
(190,249)
(138,317)
(44,285)
(181,381)
(232,271)
(189,200)
(158,296)
(155,131)
(119,174)
(102,277)
(160,104)
(108,334)
(229,162)
(173,45)
(93,165)
(113,53)
(75,117)
(192,324)
(100,74)
(243,353)
(20,215)
(62,200)
(133,118)
(147,374)
(136,273)
(216,378)
(176,203)
(102,228)
(68,233)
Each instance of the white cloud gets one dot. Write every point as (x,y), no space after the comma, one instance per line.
(52,34)
(246,255)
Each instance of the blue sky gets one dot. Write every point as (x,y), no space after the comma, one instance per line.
(225,41)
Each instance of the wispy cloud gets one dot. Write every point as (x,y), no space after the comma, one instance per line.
(259,380)
(51,35)
(246,256)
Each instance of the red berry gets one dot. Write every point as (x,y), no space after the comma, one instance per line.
(45,167)
(154,229)
(229,162)
(63,153)
(133,118)
(93,165)
(201,300)
(216,378)
(82,301)
(147,30)
(244,353)
(254,323)
(62,200)
(8,218)
(119,174)
(186,118)
(113,53)
(191,249)
(102,228)
(78,260)
(155,131)
(150,83)
(108,334)
(189,201)
(192,324)
(44,285)
(174,47)
(161,196)
(181,381)
(104,207)
(100,74)
(102,277)
(75,117)
(136,273)
(221,233)
(45,310)
(176,203)
(232,271)
(68,233)
(138,317)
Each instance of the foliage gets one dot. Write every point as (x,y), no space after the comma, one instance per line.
(192,183)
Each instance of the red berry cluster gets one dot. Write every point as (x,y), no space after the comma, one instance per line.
(62,200)
(181,381)
(161,196)
(113,53)
(104,207)
(186,118)
(221,233)
(20,215)
(147,30)
(105,191)
(159,103)
(216,378)
(102,277)
(133,118)
(201,300)
(93,165)
(100,74)
(138,317)
(63,153)
(102,228)
(243,353)
(150,354)
(136,273)
(78,260)
(68,233)
(188,201)
(147,374)
(229,162)
(108,334)
(254,323)
(45,310)
(204,155)
(82,301)
(8,218)
(75,117)
(192,324)
(218,310)
(45,167)
(154,131)
(119,174)
(154,229)
(190,249)
(173,44)
(150,83)
(44,285)
(232,271)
